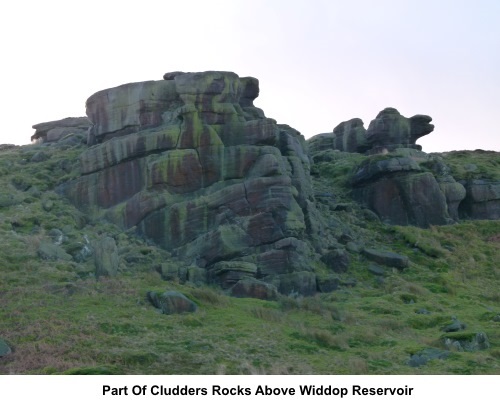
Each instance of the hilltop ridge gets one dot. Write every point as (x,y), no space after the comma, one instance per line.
(354,244)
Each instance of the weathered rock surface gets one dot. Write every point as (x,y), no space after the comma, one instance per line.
(252,288)
(424,356)
(171,302)
(454,326)
(4,348)
(400,184)
(106,257)
(337,260)
(482,200)
(386,258)
(200,171)
(348,136)
(390,130)
(466,342)
(387,132)
(53,131)
(408,188)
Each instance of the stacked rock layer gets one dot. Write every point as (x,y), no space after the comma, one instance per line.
(199,170)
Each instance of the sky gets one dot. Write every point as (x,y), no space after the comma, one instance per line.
(319,62)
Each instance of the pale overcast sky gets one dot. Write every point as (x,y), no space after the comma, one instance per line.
(319,62)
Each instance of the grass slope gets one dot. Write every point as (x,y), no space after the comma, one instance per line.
(60,320)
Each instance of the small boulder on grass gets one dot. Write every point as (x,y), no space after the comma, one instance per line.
(171,302)
(424,356)
(466,342)
(106,257)
(454,326)
(4,348)
(386,258)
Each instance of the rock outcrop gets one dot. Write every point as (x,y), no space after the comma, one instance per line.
(390,130)
(106,257)
(196,168)
(53,131)
(401,190)
(348,136)
(482,200)
(398,182)
(387,132)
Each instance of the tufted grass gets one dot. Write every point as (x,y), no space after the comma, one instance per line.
(60,320)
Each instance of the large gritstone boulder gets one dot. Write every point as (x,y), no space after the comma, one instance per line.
(55,130)
(348,136)
(387,132)
(200,171)
(390,130)
(408,187)
(482,200)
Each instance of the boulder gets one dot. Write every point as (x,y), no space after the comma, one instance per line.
(4,348)
(454,193)
(424,356)
(337,260)
(348,136)
(53,131)
(390,130)
(252,288)
(196,168)
(387,132)
(171,302)
(106,257)
(466,342)
(400,192)
(386,258)
(482,199)
(454,326)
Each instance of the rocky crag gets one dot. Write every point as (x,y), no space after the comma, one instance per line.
(195,167)
(183,181)
(399,182)
(191,165)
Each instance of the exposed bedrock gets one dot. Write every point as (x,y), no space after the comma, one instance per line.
(54,131)
(388,131)
(482,200)
(408,188)
(198,169)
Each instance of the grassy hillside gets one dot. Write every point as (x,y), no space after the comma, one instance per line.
(58,318)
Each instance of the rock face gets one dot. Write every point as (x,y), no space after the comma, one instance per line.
(390,130)
(106,257)
(386,258)
(197,169)
(402,191)
(482,200)
(348,136)
(53,131)
(398,182)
